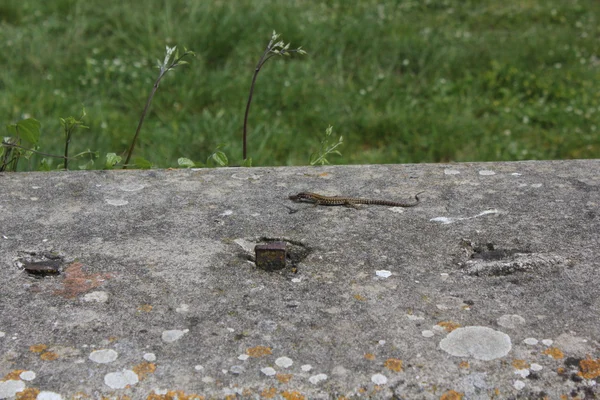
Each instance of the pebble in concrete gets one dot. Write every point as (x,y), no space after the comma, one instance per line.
(120,380)
(383,273)
(173,335)
(479,342)
(103,356)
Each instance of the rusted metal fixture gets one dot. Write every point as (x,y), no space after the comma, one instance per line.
(270,256)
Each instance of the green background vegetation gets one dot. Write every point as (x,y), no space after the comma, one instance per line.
(402,81)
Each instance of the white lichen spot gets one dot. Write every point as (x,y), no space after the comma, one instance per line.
(10,388)
(510,321)
(519,385)
(226,213)
(2,334)
(530,341)
(442,220)
(397,210)
(132,187)
(208,379)
(315,379)
(444,276)
(121,379)
(268,371)
(516,174)
(547,342)
(98,297)
(284,362)
(524,373)
(149,357)
(427,333)
(306,367)
(536,185)
(536,367)
(183,308)
(413,317)
(383,273)
(486,172)
(27,375)
(46,395)
(173,335)
(296,280)
(379,379)
(381,342)
(103,356)
(117,202)
(198,367)
(479,342)
(243,357)
(449,171)
(34,198)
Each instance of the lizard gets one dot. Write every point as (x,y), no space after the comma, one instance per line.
(318,199)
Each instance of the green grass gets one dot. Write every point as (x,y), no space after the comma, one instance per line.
(402,81)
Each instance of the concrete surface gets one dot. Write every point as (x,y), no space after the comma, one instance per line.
(140,284)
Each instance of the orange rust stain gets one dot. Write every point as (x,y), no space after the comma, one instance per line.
(589,367)
(564,397)
(28,394)
(174,395)
(560,370)
(13,375)
(145,308)
(259,351)
(393,364)
(49,356)
(359,297)
(554,352)
(369,356)
(342,398)
(230,397)
(520,364)
(143,369)
(449,326)
(77,282)
(452,395)
(324,174)
(362,390)
(463,364)
(292,395)
(283,378)
(268,393)
(246,392)
(37,348)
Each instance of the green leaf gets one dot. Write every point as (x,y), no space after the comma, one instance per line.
(87,165)
(247,162)
(142,163)
(111,160)
(45,164)
(29,130)
(220,158)
(185,162)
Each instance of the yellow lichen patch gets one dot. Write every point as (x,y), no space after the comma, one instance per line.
(369,356)
(452,395)
(393,364)
(259,351)
(283,378)
(292,395)
(324,174)
(49,356)
(144,308)
(80,395)
(142,370)
(520,364)
(37,348)
(359,297)
(28,394)
(554,352)
(589,367)
(13,375)
(230,397)
(449,326)
(269,393)
(463,364)
(174,395)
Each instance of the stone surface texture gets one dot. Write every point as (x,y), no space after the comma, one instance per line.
(157,295)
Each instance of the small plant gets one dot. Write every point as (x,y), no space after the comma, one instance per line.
(165,66)
(21,142)
(217,158)
(320,156)
(70,125)
(273,49)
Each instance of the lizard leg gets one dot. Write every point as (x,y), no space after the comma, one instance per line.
(348,203)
